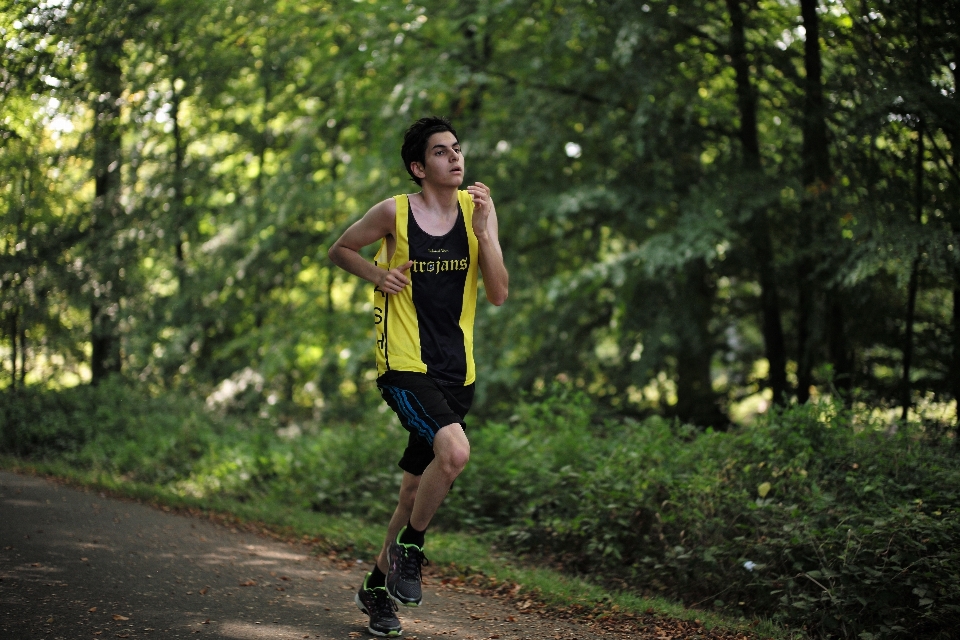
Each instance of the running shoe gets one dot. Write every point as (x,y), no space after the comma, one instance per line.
(403,574)
(375,602)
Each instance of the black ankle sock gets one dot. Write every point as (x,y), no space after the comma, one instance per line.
(412,536)
(377,578)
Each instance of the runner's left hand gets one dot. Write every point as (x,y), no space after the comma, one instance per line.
(483,208)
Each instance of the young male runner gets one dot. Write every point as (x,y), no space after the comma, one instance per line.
(432,244)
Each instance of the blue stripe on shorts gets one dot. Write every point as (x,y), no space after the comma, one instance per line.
(417,420)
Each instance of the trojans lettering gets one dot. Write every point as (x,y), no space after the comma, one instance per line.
(439,266)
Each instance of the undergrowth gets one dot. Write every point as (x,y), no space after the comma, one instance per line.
(814,516)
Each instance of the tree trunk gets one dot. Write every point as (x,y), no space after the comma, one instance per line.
(953,136)
(107,80)
(13,349)
(770,308)
(105,358)
(905,402)
(23,355)
(759,231)
(178,205)
(955,361)
(914,284)
(696,401)
(815,175)
(841,355)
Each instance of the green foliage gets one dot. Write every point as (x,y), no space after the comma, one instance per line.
(848,530)
(179,169)
(110,428)
(816,515)
(513,461)
(176,442)
(245,136)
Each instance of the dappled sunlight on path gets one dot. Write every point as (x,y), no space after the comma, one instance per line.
(77,564)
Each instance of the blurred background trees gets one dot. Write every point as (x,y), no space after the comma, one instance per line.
(706,207)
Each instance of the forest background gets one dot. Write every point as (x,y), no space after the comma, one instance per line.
(737,216)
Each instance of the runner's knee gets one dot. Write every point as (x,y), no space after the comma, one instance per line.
(454,458)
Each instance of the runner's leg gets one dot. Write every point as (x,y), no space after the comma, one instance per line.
(408,495)
(452,451)
(372,598)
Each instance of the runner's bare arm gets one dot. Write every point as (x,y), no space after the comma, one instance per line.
(496,279)
(376,224)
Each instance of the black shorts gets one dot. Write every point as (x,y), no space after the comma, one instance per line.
(424,407)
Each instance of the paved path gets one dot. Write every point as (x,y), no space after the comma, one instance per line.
(75,564)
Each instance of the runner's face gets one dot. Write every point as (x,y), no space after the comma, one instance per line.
(443,162)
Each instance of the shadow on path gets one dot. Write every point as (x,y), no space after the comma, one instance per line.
(75,564)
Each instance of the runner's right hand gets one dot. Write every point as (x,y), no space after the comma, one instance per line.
(394,280)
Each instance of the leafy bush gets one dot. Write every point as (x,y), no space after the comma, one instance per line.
(109,427)
(512,462)
(174,441)
(813,515)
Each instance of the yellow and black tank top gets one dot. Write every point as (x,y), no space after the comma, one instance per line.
(428,326)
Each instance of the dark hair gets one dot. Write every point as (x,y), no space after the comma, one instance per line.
(415,140)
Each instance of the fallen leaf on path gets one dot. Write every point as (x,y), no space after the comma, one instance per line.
(92,609)
(117,616)
(248,583)
(203,591)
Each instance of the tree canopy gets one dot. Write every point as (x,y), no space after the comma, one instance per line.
(706,207)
